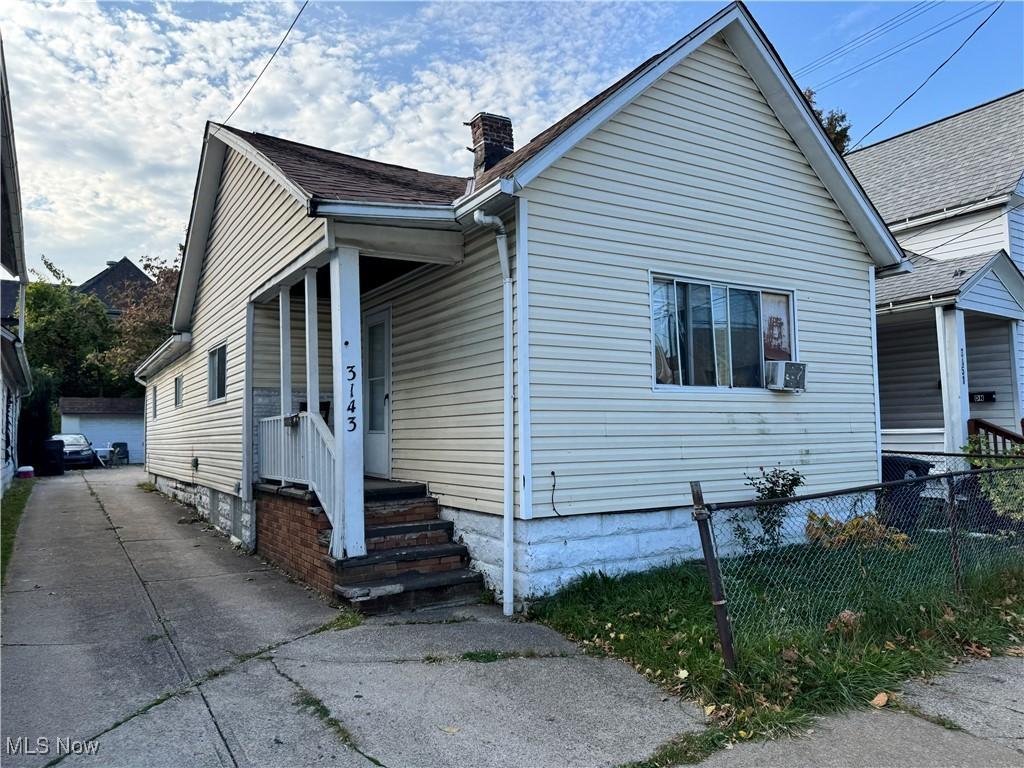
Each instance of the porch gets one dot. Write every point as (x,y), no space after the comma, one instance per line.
(947,374)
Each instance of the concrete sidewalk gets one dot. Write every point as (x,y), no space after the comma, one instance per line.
(125,624)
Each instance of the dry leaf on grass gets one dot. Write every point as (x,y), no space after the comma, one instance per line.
(1016,650)
(880,700)
(449,729)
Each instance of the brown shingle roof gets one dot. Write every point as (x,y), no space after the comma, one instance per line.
(107,406)
(326,175)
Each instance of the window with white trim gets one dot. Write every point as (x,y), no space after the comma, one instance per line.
(717,335)
(178,385)
(216,372)
(154,400)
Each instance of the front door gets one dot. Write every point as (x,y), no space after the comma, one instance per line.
(377,393)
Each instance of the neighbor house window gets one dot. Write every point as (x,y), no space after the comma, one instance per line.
(154,401)
(177,391)
(216,372)
(716,335)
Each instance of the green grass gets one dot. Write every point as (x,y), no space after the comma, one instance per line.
(661,622)
(13,505)
(147,487)
(346,619)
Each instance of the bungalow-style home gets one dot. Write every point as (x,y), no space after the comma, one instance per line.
(120,283)
(16,376)
(950,333)
(395,383)
(106,421)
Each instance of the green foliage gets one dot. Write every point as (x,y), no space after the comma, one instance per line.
(13,505)
(661,622)
(837,126)
(1004,490)
(775,483)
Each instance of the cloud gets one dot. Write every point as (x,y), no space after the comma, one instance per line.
(110,100)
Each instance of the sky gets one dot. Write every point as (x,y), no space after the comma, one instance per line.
(110,99)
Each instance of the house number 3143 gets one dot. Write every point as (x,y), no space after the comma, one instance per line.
(351,407)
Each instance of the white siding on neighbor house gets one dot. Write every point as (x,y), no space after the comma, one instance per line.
(908,372)
(914,440)
(257,228)
(446,376)
(103,430)
(698,178)
(1015,229)
(976,232)
(988,369)
(990,295)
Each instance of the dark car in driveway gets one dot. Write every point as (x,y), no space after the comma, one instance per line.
(78,450)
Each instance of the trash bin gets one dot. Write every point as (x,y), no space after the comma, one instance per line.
(119,451)
(53,458)
(902,503)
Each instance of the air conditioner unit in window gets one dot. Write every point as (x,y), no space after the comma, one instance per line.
(785,376)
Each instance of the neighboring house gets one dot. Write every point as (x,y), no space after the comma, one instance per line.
(950,336)
(106,420)
(554,346)
(118,285)
(17,378)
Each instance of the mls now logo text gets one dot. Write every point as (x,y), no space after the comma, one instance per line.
(23,745)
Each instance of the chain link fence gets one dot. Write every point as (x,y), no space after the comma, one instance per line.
(808,562)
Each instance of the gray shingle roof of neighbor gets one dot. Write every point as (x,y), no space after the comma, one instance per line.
(326,175)
(116,285)
(965,158)
(931,278)
(106,406)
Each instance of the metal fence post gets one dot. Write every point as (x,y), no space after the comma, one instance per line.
(702,518)
(954,535)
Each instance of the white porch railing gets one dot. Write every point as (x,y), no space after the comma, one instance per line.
(300,449)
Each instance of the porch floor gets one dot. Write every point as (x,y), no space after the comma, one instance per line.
(374,488)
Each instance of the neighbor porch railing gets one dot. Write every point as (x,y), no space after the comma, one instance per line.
(994,438)
(299,448)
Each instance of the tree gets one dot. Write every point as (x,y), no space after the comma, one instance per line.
(145,323)
(837,126)
(65,333)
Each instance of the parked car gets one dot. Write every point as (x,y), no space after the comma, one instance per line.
(78,450)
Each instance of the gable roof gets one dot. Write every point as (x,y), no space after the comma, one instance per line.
(935,280)
(965,158)
(104,406)
(323,175)
(12,236)
(113,284)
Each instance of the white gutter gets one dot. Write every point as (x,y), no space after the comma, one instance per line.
(175,346)
(508,504)
(429,213)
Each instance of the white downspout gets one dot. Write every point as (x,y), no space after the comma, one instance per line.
(508,504)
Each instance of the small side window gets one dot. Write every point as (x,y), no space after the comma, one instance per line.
(177,391)
(153,400)
(216,371)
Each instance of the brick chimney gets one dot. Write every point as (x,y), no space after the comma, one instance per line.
(492,140)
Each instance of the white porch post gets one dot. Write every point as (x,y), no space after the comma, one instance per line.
(284,313)
(346,357)
(956,407)
(312,345)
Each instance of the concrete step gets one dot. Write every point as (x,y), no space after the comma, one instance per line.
(413,590)
(394,511)
(394,535)
(388,563)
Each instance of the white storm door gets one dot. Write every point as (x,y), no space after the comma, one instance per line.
(377,393)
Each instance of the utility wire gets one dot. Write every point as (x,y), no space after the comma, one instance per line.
(910,42)
(934,72)
(871,35)
(969,231)
(253,85)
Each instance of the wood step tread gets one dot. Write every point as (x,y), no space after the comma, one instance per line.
(404,554)
(407,582)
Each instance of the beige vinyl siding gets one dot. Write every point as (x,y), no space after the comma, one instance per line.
(446,376)
(988,369)
(1015,232)
(975,232)
(696,178)
(267,346)
(257,227)
(908,372)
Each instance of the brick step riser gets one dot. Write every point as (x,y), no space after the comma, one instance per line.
(405,540)
(391,513)
(379,571)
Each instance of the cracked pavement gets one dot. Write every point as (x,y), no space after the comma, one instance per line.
(169,647)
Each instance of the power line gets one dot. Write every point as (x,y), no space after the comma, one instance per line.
(969,231)
(871,35)
(253,85)
(930,76)
(910,42)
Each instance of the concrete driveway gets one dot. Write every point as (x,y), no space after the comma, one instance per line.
(132,630)
(128,626)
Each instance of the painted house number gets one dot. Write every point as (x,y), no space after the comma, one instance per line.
(353,425)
